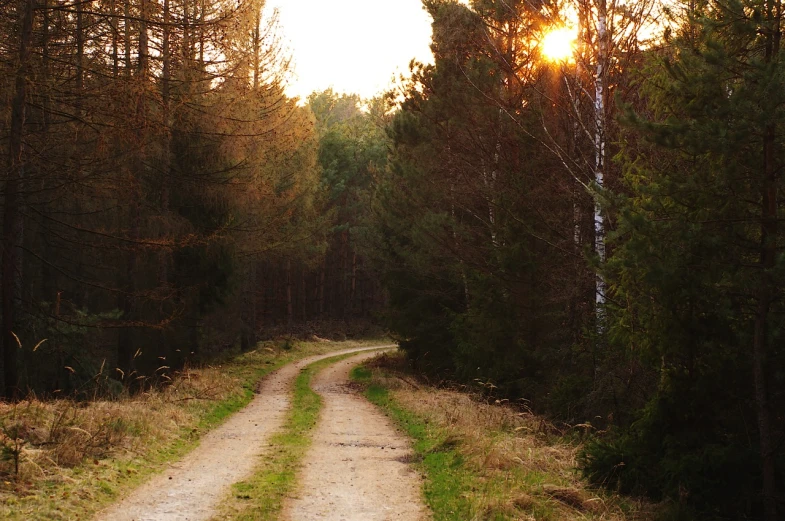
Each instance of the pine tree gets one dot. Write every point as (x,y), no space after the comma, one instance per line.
(475,213)
(698,271)
(139,137)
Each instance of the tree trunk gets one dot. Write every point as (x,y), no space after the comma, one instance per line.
(163,256)
(353,292)
(289,306)
(256,48)
(127,37)
(187,49)
(79,57)
(115,36)
(13,221)
(763,408)
(321,287)
(143,46)
(303,295)
(125,348)
(48,275)
(45,58)
(195,327)
(344,268)
(599,154)
(265,289)
(765,296)
(202,66)
(464,279)
(255,298)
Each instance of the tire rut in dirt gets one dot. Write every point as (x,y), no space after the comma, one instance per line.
(358,468)
(192,488)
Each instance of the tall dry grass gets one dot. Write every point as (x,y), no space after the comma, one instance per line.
(41,440)
(527,467)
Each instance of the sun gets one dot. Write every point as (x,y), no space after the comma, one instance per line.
(558,44)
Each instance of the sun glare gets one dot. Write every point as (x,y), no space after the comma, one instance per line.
(557,45)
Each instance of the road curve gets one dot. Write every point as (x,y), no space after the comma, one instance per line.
(191,488)
(358,467)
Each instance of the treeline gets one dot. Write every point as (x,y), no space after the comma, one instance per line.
(601,236)
(161,194)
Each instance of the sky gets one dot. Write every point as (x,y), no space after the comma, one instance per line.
(353,46)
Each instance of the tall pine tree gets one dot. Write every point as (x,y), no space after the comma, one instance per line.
(698,270)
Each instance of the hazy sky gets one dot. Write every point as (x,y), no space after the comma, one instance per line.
(352,45)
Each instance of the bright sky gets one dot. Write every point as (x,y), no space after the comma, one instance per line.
(353,46)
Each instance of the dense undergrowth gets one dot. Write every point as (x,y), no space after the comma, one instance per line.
(64,459)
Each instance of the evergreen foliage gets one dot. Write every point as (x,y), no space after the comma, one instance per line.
(154,169)
(475,215)
(692,275)
(485,235)
(163,198)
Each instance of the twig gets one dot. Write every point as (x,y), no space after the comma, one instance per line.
(408,382)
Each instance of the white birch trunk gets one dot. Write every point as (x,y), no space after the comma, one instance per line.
(599,150)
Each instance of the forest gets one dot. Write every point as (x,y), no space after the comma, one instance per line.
(596,236)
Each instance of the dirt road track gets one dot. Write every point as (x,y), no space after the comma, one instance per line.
(192,487)
(357,468)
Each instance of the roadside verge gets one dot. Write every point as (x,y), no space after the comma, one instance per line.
(486,460)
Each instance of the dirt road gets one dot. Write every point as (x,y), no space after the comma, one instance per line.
(191,488)
(356,469)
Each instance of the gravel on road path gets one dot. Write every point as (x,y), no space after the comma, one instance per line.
(190,489)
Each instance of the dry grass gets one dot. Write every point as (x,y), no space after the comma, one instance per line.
(63,459)
(526,467)
(63,433)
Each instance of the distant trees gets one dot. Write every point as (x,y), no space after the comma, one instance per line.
(353,151)
(319,271)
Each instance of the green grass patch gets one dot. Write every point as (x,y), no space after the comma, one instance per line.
(260,498)
(360,374)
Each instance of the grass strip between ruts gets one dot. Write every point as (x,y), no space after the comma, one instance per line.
(260,497)
(448,481)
